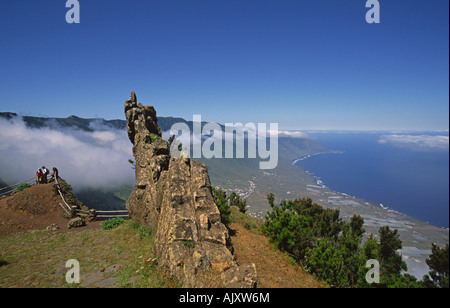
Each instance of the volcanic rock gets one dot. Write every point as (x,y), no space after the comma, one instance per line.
(173,196)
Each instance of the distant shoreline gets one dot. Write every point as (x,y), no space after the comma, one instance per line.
(315,154)
(415,233)
(320,183)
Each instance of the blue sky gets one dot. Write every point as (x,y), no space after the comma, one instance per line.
(305,64)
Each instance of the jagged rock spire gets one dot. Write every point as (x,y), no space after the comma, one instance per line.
(173,196)
(133,97)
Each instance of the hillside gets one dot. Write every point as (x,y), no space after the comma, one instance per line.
(275,268)
(30,256)
(34,208)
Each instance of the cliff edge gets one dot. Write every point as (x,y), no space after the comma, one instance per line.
(173,196)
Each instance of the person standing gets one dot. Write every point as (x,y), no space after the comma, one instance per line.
(54,174)
(45,172)
(39,176)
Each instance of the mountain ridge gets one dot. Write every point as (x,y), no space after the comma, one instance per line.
(86,124)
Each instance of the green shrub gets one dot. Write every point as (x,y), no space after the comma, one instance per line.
(144,232)
(154,137)
(112,223)
(220,198)
(134,225)
(332,249)
(235,200)
(23,186)
(188,243)
(318,239)
(66,190)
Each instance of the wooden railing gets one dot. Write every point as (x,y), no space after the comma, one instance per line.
(11,188)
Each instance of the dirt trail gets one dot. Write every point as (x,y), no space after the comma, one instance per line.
(273,267)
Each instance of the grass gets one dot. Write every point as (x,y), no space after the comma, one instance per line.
(23,187)
(189,244)
(250,223)
(37,259)
(123,256)
(112,223)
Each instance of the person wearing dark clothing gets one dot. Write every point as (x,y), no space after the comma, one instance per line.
(45,172)
(54,174)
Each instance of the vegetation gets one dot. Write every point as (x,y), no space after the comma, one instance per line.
(236,201)
(133,164)
(220,198)
(178,143)
(97,250)
(66,190)
(23,186)
(154,137)
(309,235)
(225,203)
(439,268)
(332,249)
(112,223)
(189,244)
(143,231)
(276,269)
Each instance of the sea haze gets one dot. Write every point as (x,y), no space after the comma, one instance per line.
(405,172)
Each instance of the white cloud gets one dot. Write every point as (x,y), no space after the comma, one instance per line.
(292,134)
(84,159)
(417,142)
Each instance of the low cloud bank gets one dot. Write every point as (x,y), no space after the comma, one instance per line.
(417,142)
(292,134)
(95,159)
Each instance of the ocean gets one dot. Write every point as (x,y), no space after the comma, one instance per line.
(408,173)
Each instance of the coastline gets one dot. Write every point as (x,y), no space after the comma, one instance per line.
(320,182)
(295,161)
(417,235)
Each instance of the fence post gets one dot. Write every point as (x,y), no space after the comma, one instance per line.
(92,216)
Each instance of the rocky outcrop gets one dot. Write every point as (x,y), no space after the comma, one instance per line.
(76,222)
(173,196)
